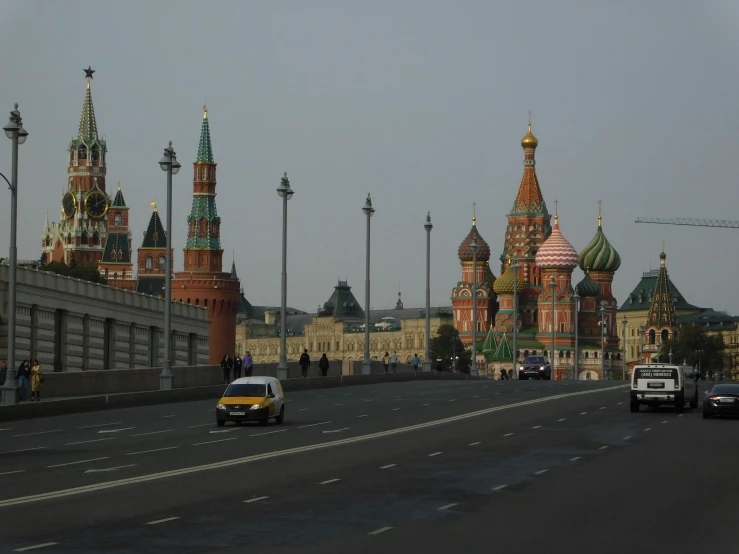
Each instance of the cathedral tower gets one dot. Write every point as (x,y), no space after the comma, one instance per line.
(203,281)
(661,322)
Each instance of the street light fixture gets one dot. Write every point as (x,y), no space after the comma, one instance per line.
(577,330)
(427,354)
(17,134)
(369,211)
(624,321)
(473,247)
(552,286)
(514,354)
(169,164)
(286,193)
(602,339)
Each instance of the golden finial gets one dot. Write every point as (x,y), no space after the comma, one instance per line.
(119,185)
(529,141)
(474,213)
(600,212)
(205,111)
(153,204)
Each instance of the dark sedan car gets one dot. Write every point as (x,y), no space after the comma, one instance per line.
(534,367)
(721,400)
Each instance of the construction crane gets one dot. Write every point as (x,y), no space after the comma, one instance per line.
(689,221)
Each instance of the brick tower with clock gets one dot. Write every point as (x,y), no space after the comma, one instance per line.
(88,216)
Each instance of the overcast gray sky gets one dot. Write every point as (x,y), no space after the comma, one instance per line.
(421,103)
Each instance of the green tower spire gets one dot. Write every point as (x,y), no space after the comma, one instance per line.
(205,150)
(88,131)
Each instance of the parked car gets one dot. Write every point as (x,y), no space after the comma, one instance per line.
(252,399)
(534,367)
(721,400)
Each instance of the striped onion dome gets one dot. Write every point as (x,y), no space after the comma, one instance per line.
(556,252)
(599,255)
(587,287)
(504,283)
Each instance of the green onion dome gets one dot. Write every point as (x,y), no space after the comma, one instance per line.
(599,255)
(587,287)
(504,283)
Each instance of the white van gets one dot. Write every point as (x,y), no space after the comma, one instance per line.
(659,384)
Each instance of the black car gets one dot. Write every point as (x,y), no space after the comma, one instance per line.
(721,400)
(534,367)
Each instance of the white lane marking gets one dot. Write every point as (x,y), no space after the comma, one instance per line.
(109,469)
(93,440)
(619,403)
(380,530)
(302,409)
(100,425)
(320,396)
(255,499)
(286,452)
(424,404)
(211,442)
(368,399)
(152,433)
(499,487)
(475,443)
(363,415)
(475,396)
(561,419)
(583,413)
(12,472)
(232,429)
(171,415)
(337,430)
(603,407)
(575,459)
(681,415)
(648,429)
(447,506)
(627,437)
(541,471)
(313,424)
(38,433)
(665,421)
(508,434)
(79,462)
(603,448)
(396,409)
(115,430)
(497,393)
(268,433)
(201,425)
(153,450)
(388,466)
(453,400)
(348,394)
(23,450)
(6,429)
(536,427)
(434,454)
(158,521)
(35,546)
(329,481)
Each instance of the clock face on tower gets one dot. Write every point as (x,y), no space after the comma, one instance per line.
(69,205)
(96,204)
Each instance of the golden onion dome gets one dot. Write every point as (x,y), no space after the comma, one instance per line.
(504,283)
(529,141)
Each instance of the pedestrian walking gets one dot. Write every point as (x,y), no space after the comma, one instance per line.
(415,361)
(238,364)
(304,362)
(394,361)
(323,365)
(3,373)
(36,380)
(248,364)
(385,360)
(227,364)
(24,374)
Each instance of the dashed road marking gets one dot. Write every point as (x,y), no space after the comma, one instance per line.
(313,424)
(575,459)
(681,415)
(453,400)
(38,433)
(648,429)
(78,462)
(665,421)
(12,472)
(499,487)
(338,404)
(165,520)
(153,450)
(536,427)
(447,506)
(583,413)
(35,546)
(329,481)
(212,442)
(363,415)
(115,430)
(627,437)
(380,530)
(508,434)
(255,499)
(603,407)
(425,404)
(152,433)
(619,403)
(434,454)
(541,471)
(93,440)
(396,409)
(170,415)
(268,433)
(201,425)
(603,448)
(561,419)
(100,425)
(302,409)
(388,466)
(475,443)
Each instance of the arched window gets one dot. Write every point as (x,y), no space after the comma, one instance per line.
(85,239)
(162,262)
(118,219)
(115,275)
(561,354)
(206,303)
(197,301)
(149,262)
(665,335)
(95,239)
(652,336)
(188,300)
(82,153)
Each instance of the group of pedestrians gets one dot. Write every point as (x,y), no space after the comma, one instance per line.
(25,374)
(304,363)
(237,364)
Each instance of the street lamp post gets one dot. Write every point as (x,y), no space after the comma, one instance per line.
(427,354)
(624,321)
(286,193)
(552,286)
(577,329)
(369,211)
(473,247)
(514,354)
(169,164)
(670,354)
(17,134)
(602,340)
(641,344)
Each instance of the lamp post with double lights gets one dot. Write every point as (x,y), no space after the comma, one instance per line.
(17,134)
(169,164)
(602,340)
(473,247)
(369,211)
(514,354)
(624,321)
(427,350)
(577,330)
(286,193)
(552,286)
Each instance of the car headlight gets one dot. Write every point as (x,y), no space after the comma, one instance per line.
(542,368)
(255,407)
(521,368)
(221,407)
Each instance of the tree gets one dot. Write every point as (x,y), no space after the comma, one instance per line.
(84,272)
(696,347)
(447,344)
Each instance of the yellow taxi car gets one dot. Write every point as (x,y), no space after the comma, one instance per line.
(252,399)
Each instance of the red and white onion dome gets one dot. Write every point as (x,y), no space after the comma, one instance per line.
(557,252)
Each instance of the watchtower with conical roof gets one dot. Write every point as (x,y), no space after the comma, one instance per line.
(152,256)
(203,281)
(661,321)
(116,264)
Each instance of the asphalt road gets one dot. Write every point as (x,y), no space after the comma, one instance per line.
(394,468)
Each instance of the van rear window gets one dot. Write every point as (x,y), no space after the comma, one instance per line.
(656,373)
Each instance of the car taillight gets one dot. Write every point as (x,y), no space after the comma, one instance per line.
(713,398)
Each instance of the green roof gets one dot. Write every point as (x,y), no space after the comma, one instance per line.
(640,297)
(116,249)
(203,207)
(662,308)
(205,149)
(88,129)
(710,319)
(118,201)
(155,236)
(503,353)
(342,304)
(153,286)
(490,344)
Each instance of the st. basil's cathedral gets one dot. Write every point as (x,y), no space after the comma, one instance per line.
(540,256)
